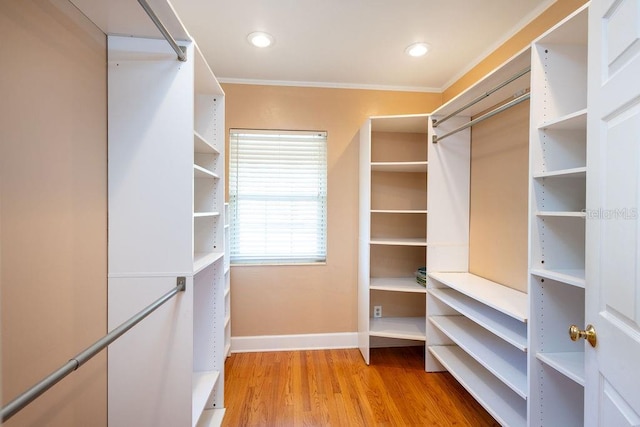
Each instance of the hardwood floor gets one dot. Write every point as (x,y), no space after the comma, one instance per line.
(336,388)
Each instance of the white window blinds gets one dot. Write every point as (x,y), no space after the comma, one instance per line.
(278,196)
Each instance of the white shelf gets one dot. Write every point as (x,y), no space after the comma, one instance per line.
(497,356)
(504,405)
(509,329)
(399,211)
(499,297)
(211,418)
(573,121)
(227,349)
(202,384)
(570,277)
(396,284)
(205,214)
(565,214)
(200,172)
(580,172)
(201,145)
(227,319)
(203,259)
(399,242)
(413,167)
(410,328)
(569,364)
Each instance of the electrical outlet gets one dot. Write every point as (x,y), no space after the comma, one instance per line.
(377,311)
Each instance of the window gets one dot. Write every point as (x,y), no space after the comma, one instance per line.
(278,196)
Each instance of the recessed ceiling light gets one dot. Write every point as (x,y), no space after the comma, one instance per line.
(417,49)
(260,39)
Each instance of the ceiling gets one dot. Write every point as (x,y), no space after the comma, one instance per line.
(352,43)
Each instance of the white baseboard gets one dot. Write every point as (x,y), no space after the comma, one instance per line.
(294,342)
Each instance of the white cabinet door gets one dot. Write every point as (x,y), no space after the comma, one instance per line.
(612,392)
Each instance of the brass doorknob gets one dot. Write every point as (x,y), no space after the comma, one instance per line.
(589,334)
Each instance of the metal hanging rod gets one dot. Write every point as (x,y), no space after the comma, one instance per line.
(485,116)
(56,376)
(180,51)
(483,96)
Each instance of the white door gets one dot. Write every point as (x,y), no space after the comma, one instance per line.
(612,368)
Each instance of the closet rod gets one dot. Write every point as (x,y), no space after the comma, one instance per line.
(483,96)
(182,56)
(20,402)
(485,116)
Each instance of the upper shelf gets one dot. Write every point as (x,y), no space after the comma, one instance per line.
(410,123)
(419,167)
(127,18)
(512,66)
(502,298)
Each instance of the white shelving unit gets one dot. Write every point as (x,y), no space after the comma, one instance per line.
(166,195)
(393,230)
(477,328)
(488,323)
(557,221)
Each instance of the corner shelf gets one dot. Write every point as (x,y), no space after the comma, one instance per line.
(409,328)
(396,284)
(393,228)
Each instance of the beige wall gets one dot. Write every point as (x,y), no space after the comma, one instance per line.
(53,208)
(499,198)
(276,300)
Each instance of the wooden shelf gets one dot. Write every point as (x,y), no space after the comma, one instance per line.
(509,329)
(200,172)
(413,167)
(202,384)
(202,260)
(570,277)
(399,242)
(499,297)
(201,145)
(497,356)
(502,403)
(569,364)
(410,328)
(573,121)
(396,284)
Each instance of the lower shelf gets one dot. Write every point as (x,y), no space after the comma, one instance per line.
(202,384)
(570,364)
(409,328)
(502,403)
(211,418)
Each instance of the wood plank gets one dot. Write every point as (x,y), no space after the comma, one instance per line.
(336,387)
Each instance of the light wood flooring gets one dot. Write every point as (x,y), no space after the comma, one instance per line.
(336,388)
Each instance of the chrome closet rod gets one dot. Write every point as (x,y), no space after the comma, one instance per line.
(485,116)
(182,55)
(483,96)
(17,404)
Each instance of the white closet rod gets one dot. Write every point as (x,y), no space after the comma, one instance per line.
(180,51)
(483,96)
(485,116)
